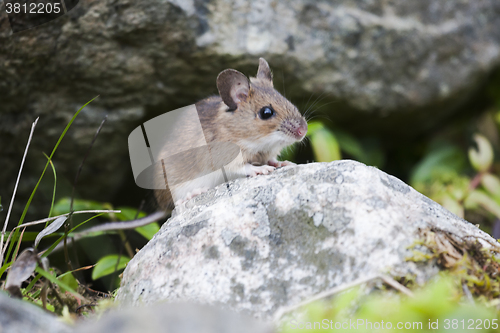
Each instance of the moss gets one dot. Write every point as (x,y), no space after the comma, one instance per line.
(474,266)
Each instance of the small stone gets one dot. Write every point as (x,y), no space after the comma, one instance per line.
(318,218)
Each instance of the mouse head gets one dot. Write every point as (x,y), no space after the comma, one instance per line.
(268,117)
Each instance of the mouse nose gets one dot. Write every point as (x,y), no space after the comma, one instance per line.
(301,130)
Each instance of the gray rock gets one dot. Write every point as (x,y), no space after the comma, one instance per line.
(173,318)
(258,244)
(379,58)
(18,316)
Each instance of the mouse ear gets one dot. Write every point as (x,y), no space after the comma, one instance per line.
(264,72)
(233,87)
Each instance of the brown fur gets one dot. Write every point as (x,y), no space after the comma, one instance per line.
(242,126)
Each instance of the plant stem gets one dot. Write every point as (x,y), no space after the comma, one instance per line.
(67,225)
(15,189)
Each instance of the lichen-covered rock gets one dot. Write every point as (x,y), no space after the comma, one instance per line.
(262,243)
(381,59)
(18,316)
(173,318)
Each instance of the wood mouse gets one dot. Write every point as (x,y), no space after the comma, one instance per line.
(239,133)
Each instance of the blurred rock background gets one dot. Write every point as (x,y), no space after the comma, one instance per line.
(392,75)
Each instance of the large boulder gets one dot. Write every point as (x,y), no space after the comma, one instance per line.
(259,244)
(400,66)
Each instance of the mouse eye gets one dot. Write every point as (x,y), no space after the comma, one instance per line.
(266,112)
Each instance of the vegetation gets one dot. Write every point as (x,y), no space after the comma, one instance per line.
(50,288)
(464,178)
(438,307)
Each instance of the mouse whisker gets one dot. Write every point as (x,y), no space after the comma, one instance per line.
(322,97)
(283,78)
(317,100)
(307,103)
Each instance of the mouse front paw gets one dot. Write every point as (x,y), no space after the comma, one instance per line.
(278,164)
(254,170)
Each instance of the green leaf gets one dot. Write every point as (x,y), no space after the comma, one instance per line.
(482,157)
(324,143)
(69,280)
(106,265)
(443,159)
(434,300)
(128,214)
(62,206)
(369,151)
(313,127)
(491,183)
(481,198)
(149,230)
(452,205)
(350,145)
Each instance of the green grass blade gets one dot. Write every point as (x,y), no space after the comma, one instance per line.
(148,231)
(4,267)
(61,284)
(54,190)
(32,283)
(43,172)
